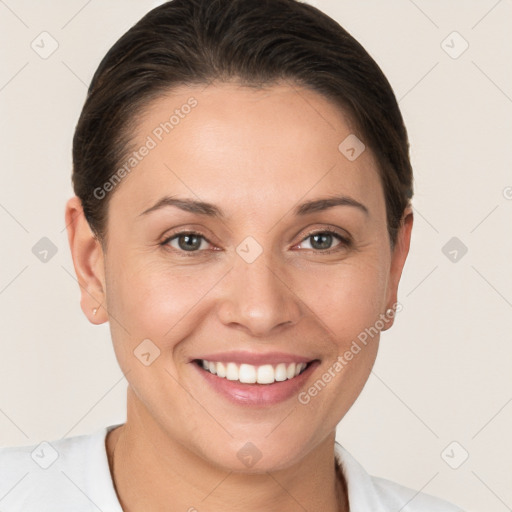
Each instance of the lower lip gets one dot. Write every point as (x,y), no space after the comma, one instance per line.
(257,394)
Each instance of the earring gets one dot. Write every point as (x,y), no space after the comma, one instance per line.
(390,312)
(94,311)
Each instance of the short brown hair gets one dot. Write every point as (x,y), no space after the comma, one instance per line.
(258,43)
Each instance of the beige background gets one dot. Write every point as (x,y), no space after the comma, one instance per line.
(443,372)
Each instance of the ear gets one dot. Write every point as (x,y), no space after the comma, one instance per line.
(398,257)
(87,255)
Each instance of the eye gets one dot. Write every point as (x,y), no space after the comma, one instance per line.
(321,241)
(188,241)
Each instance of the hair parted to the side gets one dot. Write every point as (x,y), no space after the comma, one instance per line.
(255,42)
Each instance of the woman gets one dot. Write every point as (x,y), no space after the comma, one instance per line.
(242,217)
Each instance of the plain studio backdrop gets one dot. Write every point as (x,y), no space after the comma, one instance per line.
(436,413)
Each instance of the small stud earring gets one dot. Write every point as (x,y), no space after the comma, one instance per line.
(390,312)
(94,311)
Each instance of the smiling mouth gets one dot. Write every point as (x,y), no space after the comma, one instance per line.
(251,374)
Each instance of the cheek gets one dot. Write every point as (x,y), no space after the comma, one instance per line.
(157,301)
(154,299)
(348,298)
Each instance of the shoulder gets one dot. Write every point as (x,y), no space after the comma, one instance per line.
(367,492)
(398,497)
(65,474)
(43,454)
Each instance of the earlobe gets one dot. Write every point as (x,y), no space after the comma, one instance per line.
(87,255)
(398,258)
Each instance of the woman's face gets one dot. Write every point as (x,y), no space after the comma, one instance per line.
(241,270)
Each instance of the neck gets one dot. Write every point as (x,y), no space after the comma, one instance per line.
(151,470)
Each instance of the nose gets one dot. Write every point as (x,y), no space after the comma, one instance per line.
(259,298)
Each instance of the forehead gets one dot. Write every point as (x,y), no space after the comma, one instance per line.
(238,145)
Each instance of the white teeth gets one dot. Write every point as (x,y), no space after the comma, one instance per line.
(299,368)
(266,374)
(232,371)
(247,373)
(221,370)
(280,372)
(250,374)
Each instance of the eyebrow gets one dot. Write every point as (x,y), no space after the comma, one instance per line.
(188,205)
(208,209)
(321,204)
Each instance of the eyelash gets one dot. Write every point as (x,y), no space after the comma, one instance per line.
(345,242)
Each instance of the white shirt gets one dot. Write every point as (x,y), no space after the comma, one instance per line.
(73,475)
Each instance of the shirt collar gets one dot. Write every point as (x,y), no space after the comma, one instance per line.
(361,491)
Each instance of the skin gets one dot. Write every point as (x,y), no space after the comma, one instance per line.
(255,154)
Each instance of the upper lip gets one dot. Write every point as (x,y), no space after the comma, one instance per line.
(254,358)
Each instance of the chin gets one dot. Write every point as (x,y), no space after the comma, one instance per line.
(258,453)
